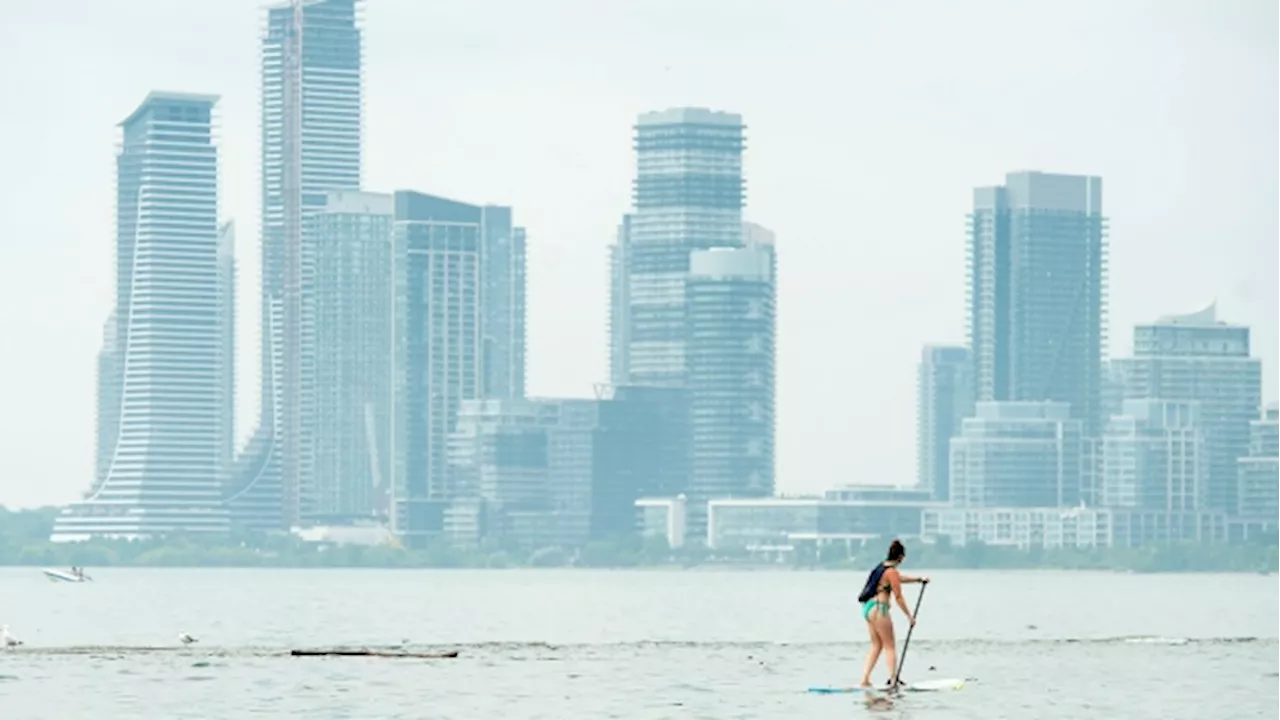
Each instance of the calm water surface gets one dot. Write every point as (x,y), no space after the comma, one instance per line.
(634,644)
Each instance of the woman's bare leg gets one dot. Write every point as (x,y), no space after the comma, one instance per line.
(884,627)
(873,654)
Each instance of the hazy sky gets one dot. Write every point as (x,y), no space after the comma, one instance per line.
(869,123)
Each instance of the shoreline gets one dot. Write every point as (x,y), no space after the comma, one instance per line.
(668,568)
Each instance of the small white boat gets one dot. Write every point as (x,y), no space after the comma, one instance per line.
(74,576)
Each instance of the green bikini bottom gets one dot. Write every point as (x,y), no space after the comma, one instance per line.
(872,604)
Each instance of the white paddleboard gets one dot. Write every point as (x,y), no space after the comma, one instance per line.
(923,686)
(935,685)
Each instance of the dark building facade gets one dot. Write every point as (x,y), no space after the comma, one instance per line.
(641,450)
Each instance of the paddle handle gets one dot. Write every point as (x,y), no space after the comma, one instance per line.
(907,643)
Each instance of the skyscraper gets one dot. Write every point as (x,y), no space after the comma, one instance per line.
(944,396)
(312,58)
(730,363)
(1197,358)
(1037,289)
(688,196)
(352,314)
(449,324)
(164,471)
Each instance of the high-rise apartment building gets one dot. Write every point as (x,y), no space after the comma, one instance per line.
(1037,292)
(459,274)
(688,196)
(312,57)
(164,473)
(352,387)
(944,398)
(1197,358)
(730,370)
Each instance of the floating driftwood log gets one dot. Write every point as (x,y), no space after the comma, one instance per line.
(361,652)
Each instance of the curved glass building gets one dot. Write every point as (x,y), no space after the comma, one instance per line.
(163,472)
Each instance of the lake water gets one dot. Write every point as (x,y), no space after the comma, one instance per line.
(630,644)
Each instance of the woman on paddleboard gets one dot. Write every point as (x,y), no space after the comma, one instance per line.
(883,581)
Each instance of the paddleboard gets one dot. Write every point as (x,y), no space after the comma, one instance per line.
(935,685)
(924,686)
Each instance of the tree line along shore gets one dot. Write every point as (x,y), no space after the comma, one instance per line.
(24,542)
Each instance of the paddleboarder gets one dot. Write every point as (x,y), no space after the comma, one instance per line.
(885,580)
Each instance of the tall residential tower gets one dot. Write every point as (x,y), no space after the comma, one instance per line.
(312,58)
(352,310)
(165,468)
(1037,292)
(731,373)
(458,335)
(1197,358)
(688,196)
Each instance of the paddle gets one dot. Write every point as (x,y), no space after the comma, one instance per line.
(907,643)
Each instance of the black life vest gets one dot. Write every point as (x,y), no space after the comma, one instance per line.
(872,588)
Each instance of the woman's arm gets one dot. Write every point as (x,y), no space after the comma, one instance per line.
(908,579)
(895,584)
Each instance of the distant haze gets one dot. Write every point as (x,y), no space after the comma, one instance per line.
(868,126)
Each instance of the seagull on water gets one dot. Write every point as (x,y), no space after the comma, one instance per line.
(8,640)
(186,639)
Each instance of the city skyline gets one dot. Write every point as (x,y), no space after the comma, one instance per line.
(897,436)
